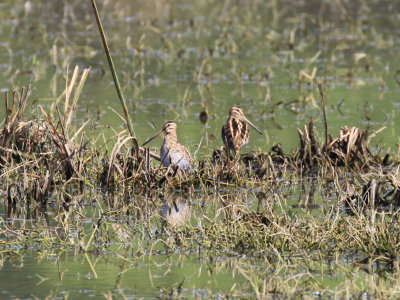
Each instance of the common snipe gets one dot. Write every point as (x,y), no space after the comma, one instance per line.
(235,132)
(173,153)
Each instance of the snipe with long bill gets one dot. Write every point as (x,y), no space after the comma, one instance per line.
(235,132)
(172,152)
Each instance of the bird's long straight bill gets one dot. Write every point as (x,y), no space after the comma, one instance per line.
(152,138)
(252,125)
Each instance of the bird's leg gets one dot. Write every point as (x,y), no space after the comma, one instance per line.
(228,154)
(175,170)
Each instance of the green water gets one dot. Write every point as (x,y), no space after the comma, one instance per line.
(87,276)
(75,276)
(176,58)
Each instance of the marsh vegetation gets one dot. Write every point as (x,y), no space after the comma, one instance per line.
(310,207)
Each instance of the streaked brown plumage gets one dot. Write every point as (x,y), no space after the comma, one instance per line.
(235,132)
(172,152)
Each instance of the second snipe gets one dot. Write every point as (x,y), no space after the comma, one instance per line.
(235,132)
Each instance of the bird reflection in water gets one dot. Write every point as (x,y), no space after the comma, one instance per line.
(175,212)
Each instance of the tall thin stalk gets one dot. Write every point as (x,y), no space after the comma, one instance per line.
(114,74)
(324,112)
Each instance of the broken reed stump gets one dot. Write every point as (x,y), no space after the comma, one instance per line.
(349,149)
(310,151)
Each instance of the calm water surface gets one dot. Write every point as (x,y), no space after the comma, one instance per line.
(88,276)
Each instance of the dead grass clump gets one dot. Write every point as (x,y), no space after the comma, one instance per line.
(31,136)
(15,132)
(42,147)
(350,149)
(375,194)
